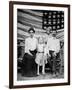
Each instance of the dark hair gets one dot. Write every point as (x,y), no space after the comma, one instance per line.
(50,29)
(31,29)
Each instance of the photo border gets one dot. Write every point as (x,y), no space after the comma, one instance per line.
(11,3)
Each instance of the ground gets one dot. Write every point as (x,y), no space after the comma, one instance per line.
(48,75)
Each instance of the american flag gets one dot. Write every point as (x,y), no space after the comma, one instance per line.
(55,19)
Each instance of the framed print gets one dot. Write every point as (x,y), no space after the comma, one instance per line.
(39,44)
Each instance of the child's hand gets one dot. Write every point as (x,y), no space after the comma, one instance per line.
(30,53)
(48,55)
(55,53)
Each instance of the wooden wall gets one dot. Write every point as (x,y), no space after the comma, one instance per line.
(27,18)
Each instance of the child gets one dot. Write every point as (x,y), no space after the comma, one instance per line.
(41,57)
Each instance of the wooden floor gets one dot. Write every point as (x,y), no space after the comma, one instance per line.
(40,77)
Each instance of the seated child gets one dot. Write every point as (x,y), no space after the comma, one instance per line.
(41,57)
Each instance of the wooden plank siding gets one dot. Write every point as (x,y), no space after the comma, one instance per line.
(29,18)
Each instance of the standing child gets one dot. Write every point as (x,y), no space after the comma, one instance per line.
(41,57)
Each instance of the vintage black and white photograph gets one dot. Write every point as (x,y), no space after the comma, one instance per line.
(40,44)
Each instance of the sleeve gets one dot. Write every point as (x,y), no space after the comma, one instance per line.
(36,43)
(48,44)
(26,46)
(57,46)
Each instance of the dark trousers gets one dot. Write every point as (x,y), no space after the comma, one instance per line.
(52,61)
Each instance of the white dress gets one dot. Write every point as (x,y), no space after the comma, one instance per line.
(41,58)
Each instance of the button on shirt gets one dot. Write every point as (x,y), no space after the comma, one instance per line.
(30,44)
(53,44)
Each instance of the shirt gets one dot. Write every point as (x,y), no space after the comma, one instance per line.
(40,47)
(30,44)
(46,36)
(53,44)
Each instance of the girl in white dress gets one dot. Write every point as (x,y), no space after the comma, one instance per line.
(41,57)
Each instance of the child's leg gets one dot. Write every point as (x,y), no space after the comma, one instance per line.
(43,69)
(37,69)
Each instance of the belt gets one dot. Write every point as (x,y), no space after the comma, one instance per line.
(40,52)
